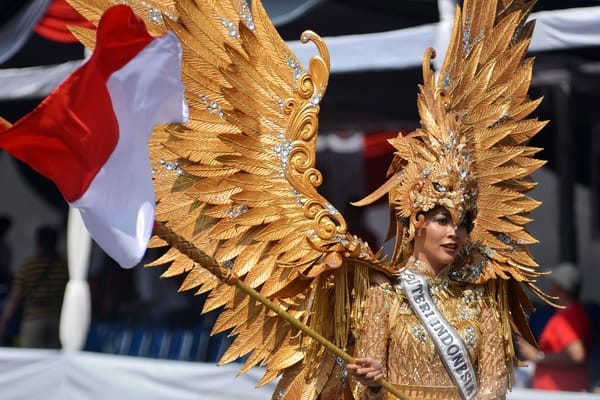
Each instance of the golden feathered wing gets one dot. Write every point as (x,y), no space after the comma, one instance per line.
(238,181)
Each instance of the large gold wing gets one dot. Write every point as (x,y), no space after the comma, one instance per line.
(479,106)
(238,181)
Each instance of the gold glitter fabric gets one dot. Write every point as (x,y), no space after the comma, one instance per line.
(391,333)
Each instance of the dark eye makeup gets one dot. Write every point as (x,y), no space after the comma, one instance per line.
(444,220)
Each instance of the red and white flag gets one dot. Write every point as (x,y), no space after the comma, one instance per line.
(90,135)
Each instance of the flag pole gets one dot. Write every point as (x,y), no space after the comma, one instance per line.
(227,276)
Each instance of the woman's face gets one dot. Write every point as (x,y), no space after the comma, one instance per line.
(437,242)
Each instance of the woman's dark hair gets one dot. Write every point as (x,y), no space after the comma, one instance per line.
(469,221)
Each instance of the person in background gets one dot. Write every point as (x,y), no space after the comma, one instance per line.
(6,276)
(5,258)
(562,359)
(159,302)
(39,285)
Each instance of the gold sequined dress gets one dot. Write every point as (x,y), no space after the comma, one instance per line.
(391,333)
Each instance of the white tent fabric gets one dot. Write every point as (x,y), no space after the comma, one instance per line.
(294,9)
(18,29)
(33,82)
(557,29)
(554,30)
(55,375)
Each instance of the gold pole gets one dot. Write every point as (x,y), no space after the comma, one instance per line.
(227,276)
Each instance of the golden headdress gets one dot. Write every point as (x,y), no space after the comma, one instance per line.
(432,166)
(470,154)
(239,183)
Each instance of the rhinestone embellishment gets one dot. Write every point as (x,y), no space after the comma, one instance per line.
(419,333)
(470,337)
(169,166)
(237,211)
(282,151)
(246,15)
(295,67)
(212,106)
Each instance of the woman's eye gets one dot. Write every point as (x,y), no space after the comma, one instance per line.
(442,220)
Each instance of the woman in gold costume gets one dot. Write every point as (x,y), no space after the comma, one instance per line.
(438,324)
(393,342)
(236,191)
